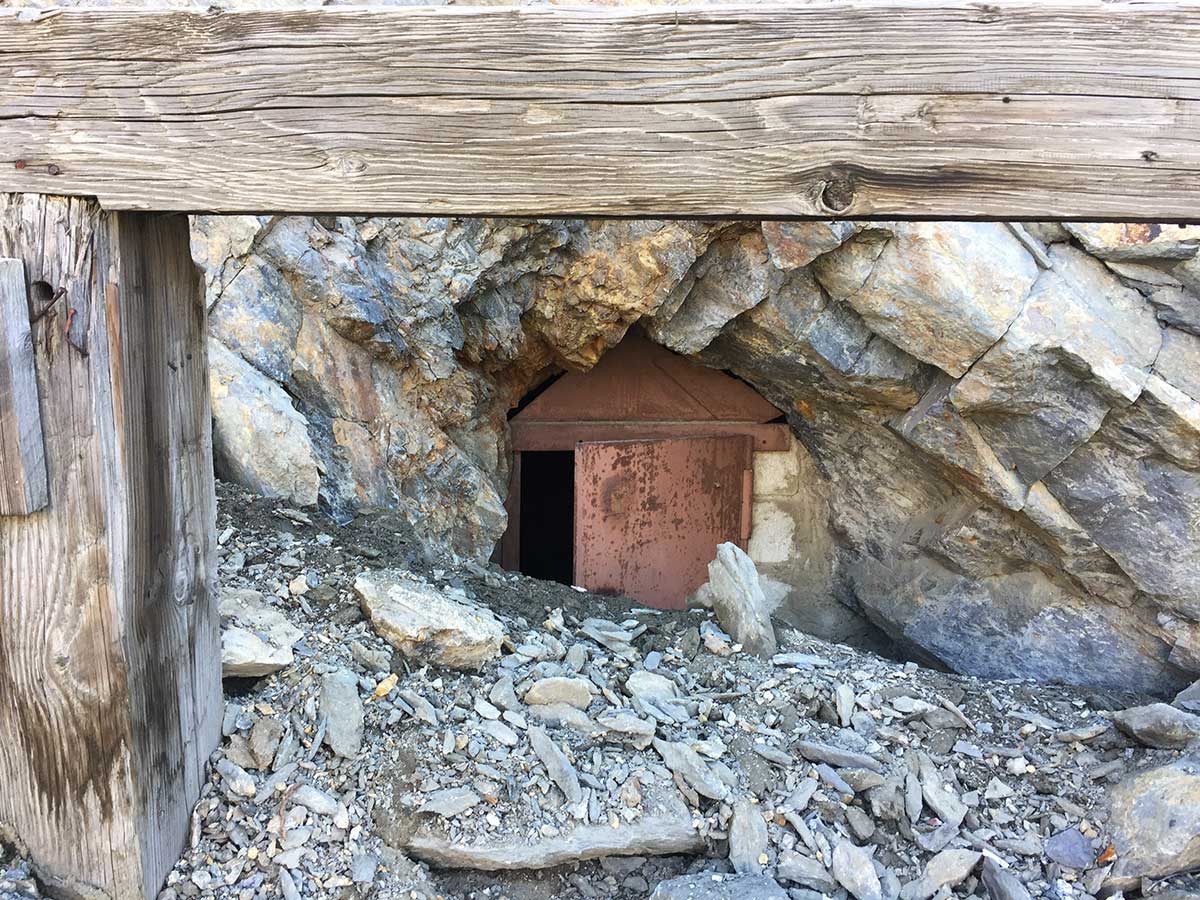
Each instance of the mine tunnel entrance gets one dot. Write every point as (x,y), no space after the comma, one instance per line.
(547,521)
(627,477)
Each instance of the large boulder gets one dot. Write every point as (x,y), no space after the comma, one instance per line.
(1154,822)
(426,624)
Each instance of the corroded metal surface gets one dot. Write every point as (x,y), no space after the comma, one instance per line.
(639,381)
(649,514)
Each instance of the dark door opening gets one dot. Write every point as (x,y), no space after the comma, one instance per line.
(547,520)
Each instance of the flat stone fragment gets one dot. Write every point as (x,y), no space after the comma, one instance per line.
(1159,725)
(948,869)
(1002,884)
(687,764)
(426,624)
(557,765)
(747,838)
(1070,848)
(855,871)
(343,711)
(648,836)
(449,802)
(625,726)
(576,692)
(710,886)
(836,756)
(805,871)
(256,639)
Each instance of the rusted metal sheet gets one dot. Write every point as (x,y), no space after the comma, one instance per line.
(639,381)
(649,514)
(565,435)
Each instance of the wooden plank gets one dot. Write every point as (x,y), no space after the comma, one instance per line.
(565,435)
(109,651)
(22,459)
(1066,109)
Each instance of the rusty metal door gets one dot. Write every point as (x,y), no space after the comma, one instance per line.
(649,514)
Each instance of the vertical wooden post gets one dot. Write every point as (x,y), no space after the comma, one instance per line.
(109,645)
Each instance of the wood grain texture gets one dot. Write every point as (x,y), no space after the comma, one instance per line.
(109,658)
(925,108)
(22,459)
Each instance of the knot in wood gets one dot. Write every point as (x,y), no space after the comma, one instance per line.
(838,193)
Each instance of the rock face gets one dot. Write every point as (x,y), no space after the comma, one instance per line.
(997,428)
(425,624)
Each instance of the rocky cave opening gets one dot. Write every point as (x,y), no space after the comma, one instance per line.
(992,428)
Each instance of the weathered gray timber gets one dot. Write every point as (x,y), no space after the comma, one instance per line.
(942,109)
(109,660)
(22,461)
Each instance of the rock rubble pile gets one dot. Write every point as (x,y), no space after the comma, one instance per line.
(597,750)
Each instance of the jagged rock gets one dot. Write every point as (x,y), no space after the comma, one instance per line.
(391,350)
(343,711)
(426,624)
(793,245)
(259,438)
(709,886)
(732,276)
(738,600)
(1189,698)
(942,292)
(1137,241)
(1154,822)
(1135,486)
(648,836)
(256,640)
(1159,725)
(1082,344)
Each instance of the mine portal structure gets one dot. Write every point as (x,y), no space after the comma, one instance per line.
(116,123)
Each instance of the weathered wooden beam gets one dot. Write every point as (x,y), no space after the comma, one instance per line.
(22,460)
(109,659)
(919,108)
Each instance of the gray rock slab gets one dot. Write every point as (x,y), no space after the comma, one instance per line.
(649,836)
(710,886)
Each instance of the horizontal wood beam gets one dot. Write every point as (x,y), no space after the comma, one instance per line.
(1070,109)
(565,435)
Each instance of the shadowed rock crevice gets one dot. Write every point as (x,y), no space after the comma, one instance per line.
(995,441)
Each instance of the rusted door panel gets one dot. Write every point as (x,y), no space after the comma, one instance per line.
(649,514)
